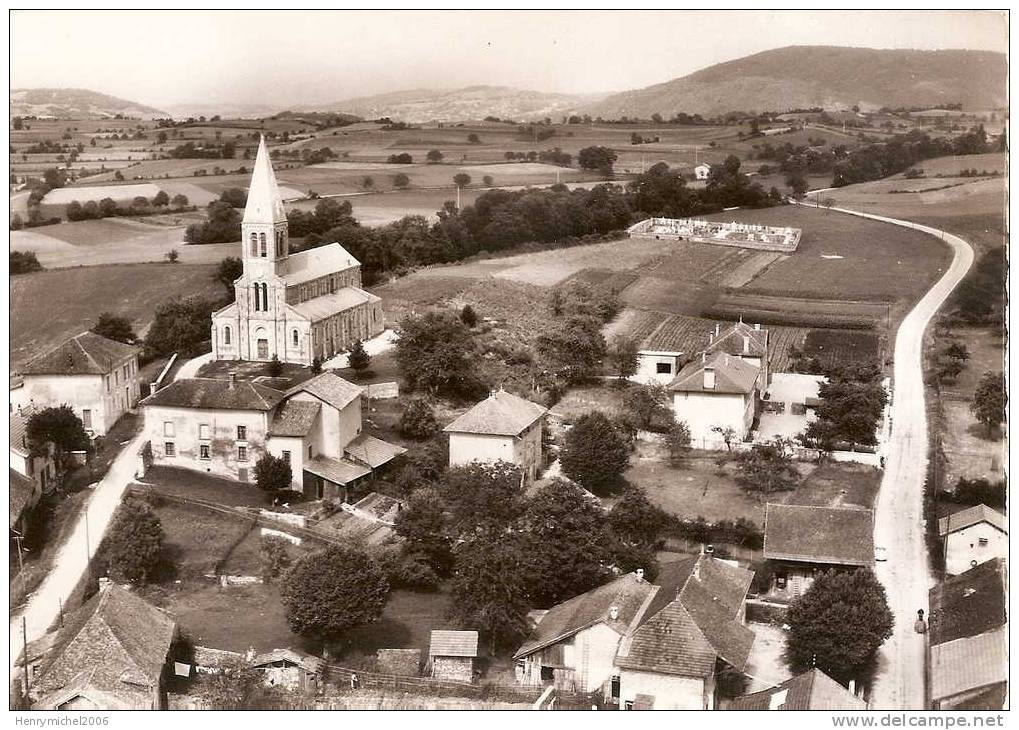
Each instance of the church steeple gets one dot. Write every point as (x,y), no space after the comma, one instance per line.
(264,226)
(265,205)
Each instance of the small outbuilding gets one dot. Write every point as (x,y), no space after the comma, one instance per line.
(451,655)
(289,669)
(973,536)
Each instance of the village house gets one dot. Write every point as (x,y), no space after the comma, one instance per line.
(973,536)
(748,343)
(31,475)
(646,645)
(812,690)
(968,647)
(95,376)
(451,655)
(503,427)
(224,427)
(289,669)
(801,541)
(296,307)
(715,395)
(113,653)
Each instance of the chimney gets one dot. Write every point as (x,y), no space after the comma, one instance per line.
(757,326)
(233,379)
(718,328)
(746,344)
(709,377)
(152,388)
(709,550)
(104,583)
(614,613)
(640,575)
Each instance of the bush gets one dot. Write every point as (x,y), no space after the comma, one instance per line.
(273,473)
(24,262)
(275,555)
(418,419)
(133,546)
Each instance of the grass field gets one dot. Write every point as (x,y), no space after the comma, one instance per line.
(50,306)
(119,193)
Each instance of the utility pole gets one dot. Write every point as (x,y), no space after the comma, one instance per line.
(21,565)
(458,197)
(88,549)
(24,651)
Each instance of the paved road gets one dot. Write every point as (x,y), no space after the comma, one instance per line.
(899,524)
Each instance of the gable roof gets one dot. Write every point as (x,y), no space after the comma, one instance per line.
(812,690)
(265,204)
(971,516)
(969,663)
(317,262)
(306,662)
(625,593)
(453,643)
(740,339)
(19,430)
(216,394)
(327,305)
(828,535)
(670,642)
(371,451)
(22,492)
(117,644)
(732,375)
(84,354)
(500,414)
(295,418)
(968,604)
(329,388)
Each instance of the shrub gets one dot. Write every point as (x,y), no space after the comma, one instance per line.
(275,556)
(418,419)
(134,544)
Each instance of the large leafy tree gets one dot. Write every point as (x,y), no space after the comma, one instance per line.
(646,408)
(594,453)
(767,468)
(418,419)
(229,271)
(851,404)
(838,625)
(57,425)
(181,326)
(483,498)
(115,328)
(273,473)
(989,400)
(568,543)
(624,355)
(133,545)
(636,526)
(328,592)
(574,348)
(423,526)
(490,589)
(436,351)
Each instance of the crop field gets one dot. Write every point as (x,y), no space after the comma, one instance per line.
(120,193)
(842,347)
(949,166)
(775,309)
(50,306)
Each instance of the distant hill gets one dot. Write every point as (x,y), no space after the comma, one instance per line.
(825,76)
(76,104)
(472,102)
(197,109)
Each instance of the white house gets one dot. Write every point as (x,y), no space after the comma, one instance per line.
(715,393)
(662,354)
(973,536)
(503,427)
(748,343)
(702,171)
(95,376)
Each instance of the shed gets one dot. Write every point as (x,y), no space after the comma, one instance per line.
(451,654)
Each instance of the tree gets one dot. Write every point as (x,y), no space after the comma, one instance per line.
(179,201)
(329,592)
(400,180)
(646,408)
(489,590)
(433,157)
(767,468)
(24,262)
(367,182)
(467,316)
(234,197)
(418,419)
(594,453)
(838,625)
(473,138)
(180,325)
(401,159)
(852,402)
(436,351)
(989,401)
(488,181)
(59,426)
(273,474)
(107,208)
(229,271)
(172,256)
(275,368)
(635,520)
(275,557)
(115,328)
(359,359)
(597,158)
(624,355)
(568,540)
(161,199)
(574,348)
(797,183)
(422,525)
(133,544)
(677,442)
(223,226)
(482,498)
(957,351)
(462,179)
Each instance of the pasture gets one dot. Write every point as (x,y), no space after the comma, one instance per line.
(49,306)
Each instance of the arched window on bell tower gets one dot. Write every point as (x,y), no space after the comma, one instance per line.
(257,303)
(265,297)
(254,244)
(261,245)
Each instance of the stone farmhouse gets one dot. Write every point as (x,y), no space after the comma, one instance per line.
(224,427)
(812,690)
(31,475)
(973,536)
(801,541)
(644,645)
(297,307)
(95,376)
(503,427)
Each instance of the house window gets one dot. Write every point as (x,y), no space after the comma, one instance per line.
(547,674)
(242,453)
(311,451)
(226,335)
(168,428)
(261,245)
(86,418)
(663,368)
(628,705)
(983,542)
(254,245)
(614,687)
(203,452)
(781,581)
(204,431)
(286,456)
(242,433)
(296,338)
(169,449)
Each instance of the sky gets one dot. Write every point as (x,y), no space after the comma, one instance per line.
(306,57)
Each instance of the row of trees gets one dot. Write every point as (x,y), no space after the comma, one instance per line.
(140,205)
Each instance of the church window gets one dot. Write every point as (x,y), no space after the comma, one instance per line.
(254,245)
(226,335)
(261,245)
(258,305)
(332,284)
(296,338)
(265,297)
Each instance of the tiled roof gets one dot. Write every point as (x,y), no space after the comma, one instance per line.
(740,339)
(968,604)
(670,642)
(732,375)
(338,471)
(969,663)
(372,451)
(306,662)
(217,394)
(295,418)
(828,535)
(116,644)
(643,702)
(500,414)
(210,658)
(317,262)
(19,429)
(22,493)
(562,621)
(971,516)
(84,354)
(329,305)
(330,388)
(812,690)
(453,643)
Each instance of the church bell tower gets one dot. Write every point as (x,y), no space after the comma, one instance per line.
(264,226)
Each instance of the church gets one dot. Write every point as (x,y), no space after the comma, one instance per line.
(297,307)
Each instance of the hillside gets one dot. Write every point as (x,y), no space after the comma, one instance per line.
(76,104)
(826,76)
(472,102)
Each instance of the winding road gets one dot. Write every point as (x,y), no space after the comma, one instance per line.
(899,524)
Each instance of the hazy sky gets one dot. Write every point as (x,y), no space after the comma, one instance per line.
(292,57)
